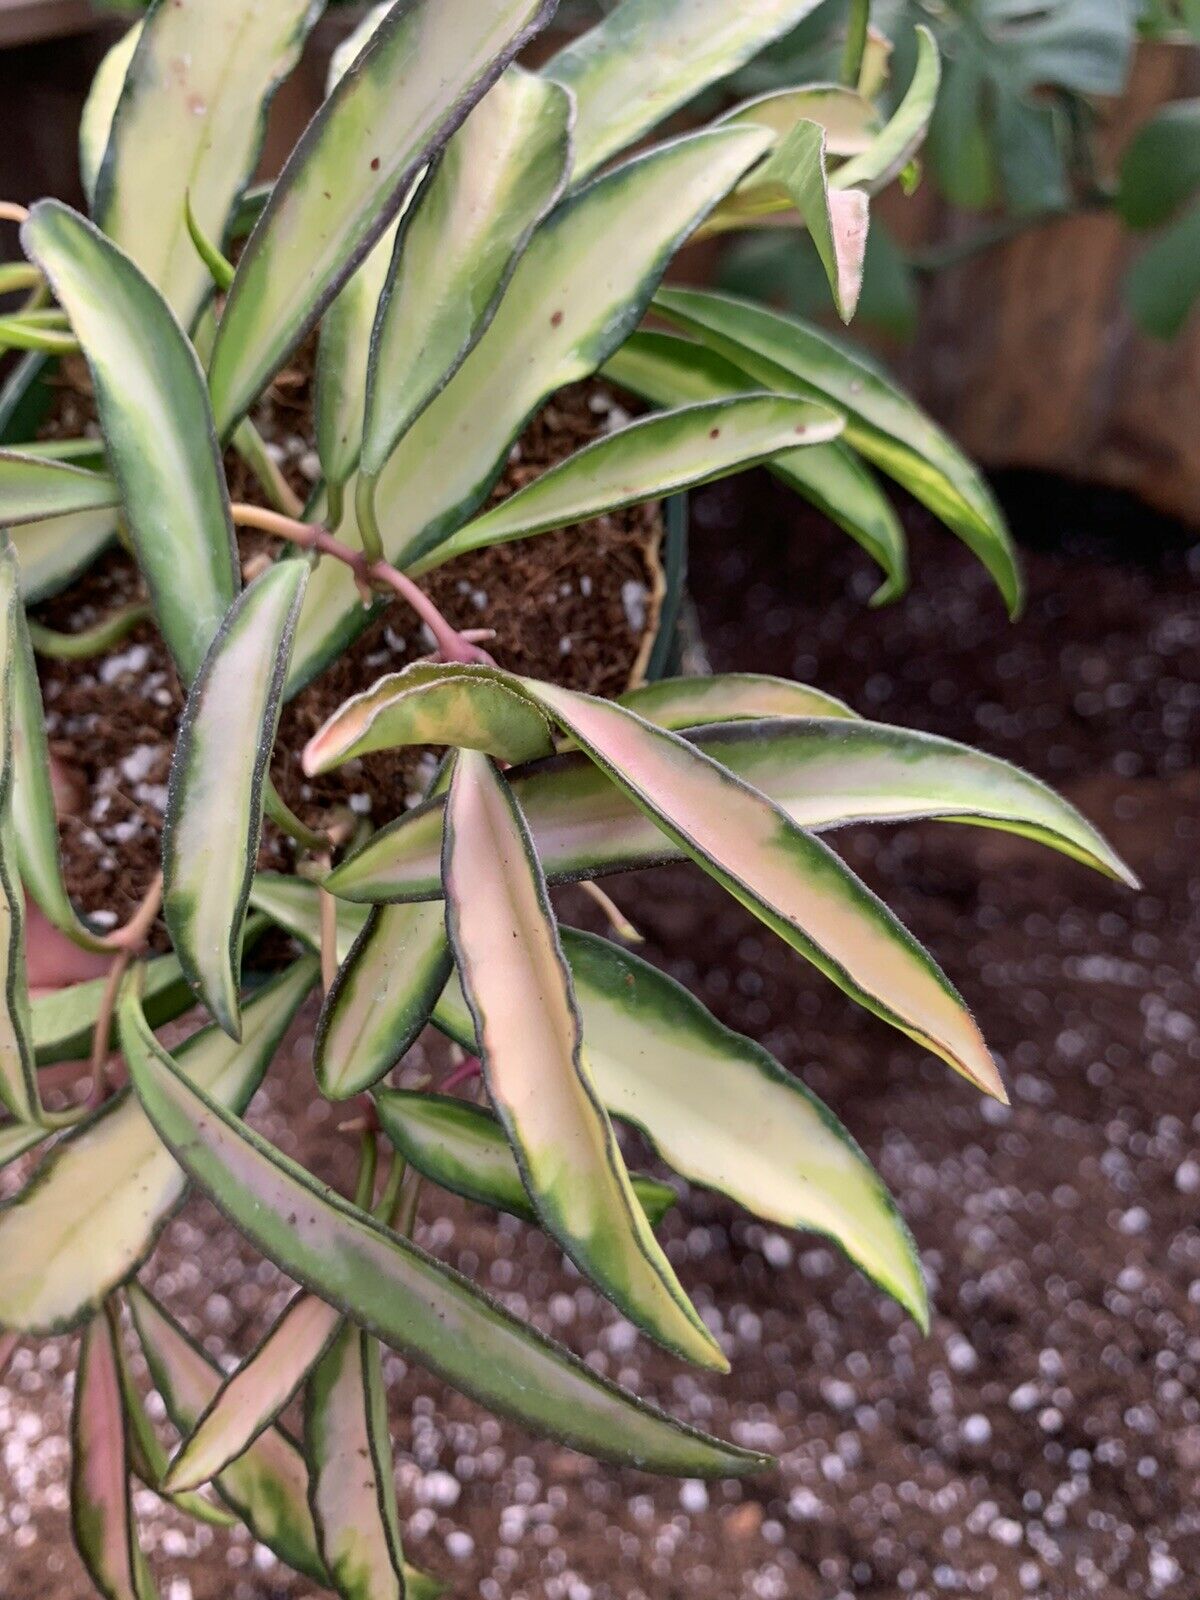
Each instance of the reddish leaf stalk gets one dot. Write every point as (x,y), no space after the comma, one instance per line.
(451,644)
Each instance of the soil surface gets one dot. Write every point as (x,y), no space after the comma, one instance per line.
(1044,1439)
(576,605)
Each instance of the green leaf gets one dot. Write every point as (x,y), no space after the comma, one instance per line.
(881,422)
(722,1112)
(500,175)
(101,1508)
(267,1486)
(93,1209)
(1163,284)
(252,1397)
(33,488)
(401,1295)
(34,813)
(648,57)
(214,804)
(18,1080)
(189,123)
(294,905)
(463,1148)
(426,65)
(652,457)
(506,948)
(95,121)
(157,427)
(1160,166)
(668,371)
(787,878)
(53,553)
(960,145)
(464,706)
(898,142)
(353,1491)
(572,299)
(381,998)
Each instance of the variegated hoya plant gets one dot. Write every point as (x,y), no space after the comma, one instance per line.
(469,235)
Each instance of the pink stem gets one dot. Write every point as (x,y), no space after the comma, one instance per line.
(466,1069)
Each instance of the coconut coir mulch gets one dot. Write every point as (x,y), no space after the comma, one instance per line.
(1044,1440)
(575,606)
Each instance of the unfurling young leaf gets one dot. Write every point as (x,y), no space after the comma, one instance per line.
(518,986)
(392,1289)
(215,801)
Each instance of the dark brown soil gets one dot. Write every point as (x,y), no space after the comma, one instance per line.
(574,606)
(1044,1440)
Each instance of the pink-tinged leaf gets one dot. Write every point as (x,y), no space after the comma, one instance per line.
(837,220)
(789,879)
(256,1393)
(519,989)
(268,1485)
(101,1515)
(353,1492)
(8,1346)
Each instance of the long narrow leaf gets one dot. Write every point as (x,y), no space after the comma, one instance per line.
(823,773)
(723,1113)
(499,176)
(463,1148)
(650,56)
(63,1021)
(400,1294)
(881,422)
(898,142)
(18,1081)
(93,1209)
(253,1396)
(101,1509)
(188,126)
(426,65)
(836,219)
(353,1491)
(215,798)
(571,301)
(18,1138)
(268,1485)
(53,553)
(653,457)
(33,488)
(158,430)
(381,998)
(294,905)
(95,121)
(730,697)
(668,371)
(518,986)
(785,876)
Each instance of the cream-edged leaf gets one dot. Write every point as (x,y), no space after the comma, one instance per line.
(101,1507)
(353,1491)
(836,219)
(252,1397)
(650,458)
(464,706)
(882,423)
(91,1212)
(518,986)
(381,998)
(648,57)
(158,429)
(215,797)
(267,1486)
(785,876)
(722,1112)
(52,553)
(497,178)
(34,488)
(392,1289)
(898,141)
(293,904)
(570,302)
(462,1147)
(95,120)
(669,371)
(426,64)
(189,123)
